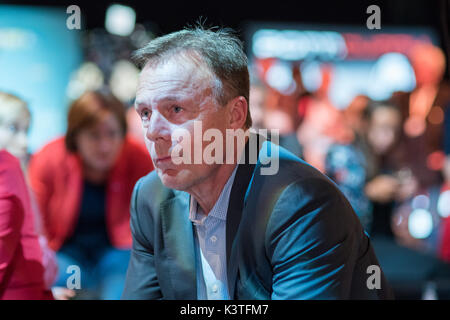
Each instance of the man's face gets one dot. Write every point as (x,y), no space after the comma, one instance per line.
(173,95)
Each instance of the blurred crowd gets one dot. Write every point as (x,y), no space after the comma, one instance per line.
(69,205)
(70,200)
(390,158)
(387,157)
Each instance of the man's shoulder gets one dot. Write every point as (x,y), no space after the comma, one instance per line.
(301,193)
(295,185)
(286,168)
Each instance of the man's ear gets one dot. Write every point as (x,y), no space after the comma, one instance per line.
(238,112)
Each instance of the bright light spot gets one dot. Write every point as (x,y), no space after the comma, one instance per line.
(392,72)
(443,206)
(399,220)
(420,223)
(311,75)
(420,202)
(16,39)
(120,20)
(279,77)
(124,80)
(414,126)
(87,77)
(298,44)
(436,160)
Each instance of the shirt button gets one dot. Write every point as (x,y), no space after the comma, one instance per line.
(213,238)
(214,288)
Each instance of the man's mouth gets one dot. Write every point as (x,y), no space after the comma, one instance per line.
(163,159)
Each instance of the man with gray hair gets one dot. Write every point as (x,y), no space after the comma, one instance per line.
(223,229)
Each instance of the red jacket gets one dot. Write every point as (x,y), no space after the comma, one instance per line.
(444,250)
(56,178)
(21,268)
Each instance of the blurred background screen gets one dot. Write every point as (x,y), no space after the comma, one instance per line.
(37,58)
(358,61)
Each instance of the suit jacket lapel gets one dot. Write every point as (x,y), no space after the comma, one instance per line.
(179,245)
(236,205)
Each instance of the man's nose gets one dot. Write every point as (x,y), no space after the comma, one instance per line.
(158,128)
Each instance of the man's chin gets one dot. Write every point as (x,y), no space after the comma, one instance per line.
(171,180)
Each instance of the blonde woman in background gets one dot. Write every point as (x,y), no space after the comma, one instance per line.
(21,233)
(14,122)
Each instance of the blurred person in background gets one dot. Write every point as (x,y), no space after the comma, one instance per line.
(273,109)
(371,174)
(15,120)
(354,114)
(366,170)
(280,120)
(27,266)
(423,110)
(432,235)
(275,98)
(83,184)
(323,124)
(269,118)
(433,201)
(258,94)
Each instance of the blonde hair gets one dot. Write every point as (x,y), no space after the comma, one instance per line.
(11,105)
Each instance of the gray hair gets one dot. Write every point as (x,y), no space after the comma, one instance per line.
(221,51)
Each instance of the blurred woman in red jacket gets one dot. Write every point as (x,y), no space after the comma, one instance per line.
(21,267)
(23,271)
(83,184)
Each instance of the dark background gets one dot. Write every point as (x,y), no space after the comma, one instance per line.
(173,15)
(166,16)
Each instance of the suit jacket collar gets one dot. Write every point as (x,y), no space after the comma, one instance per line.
(178,236)
(234,215)
(238,194)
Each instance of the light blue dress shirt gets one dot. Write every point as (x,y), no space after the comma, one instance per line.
(210,243)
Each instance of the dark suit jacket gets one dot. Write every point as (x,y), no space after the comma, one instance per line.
(292,235)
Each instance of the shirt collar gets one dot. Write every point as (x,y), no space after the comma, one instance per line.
(220,208)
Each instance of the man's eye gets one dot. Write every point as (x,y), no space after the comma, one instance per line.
(145,114)
(177,109)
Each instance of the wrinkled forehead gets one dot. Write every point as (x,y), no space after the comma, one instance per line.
(180,73)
